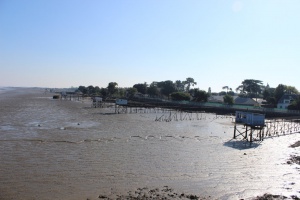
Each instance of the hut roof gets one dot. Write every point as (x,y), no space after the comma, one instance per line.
(288,96)
(244,101)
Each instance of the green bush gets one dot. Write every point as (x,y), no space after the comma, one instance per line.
(228,99)
(180,96)
(295,105)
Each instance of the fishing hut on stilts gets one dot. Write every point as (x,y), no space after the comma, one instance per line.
(249,125)
(253,126)
(97,102)
(121,106)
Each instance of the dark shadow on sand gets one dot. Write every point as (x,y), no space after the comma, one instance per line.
(108,113)
(241,145)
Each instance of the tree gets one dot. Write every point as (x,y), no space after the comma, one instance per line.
(112,88)
(121,92)
(282,89)
(141,87)
(193,91)
(200,95)
(152,90)
(97,90)
(250,87)
(279,92)
(268,95)
(179,86)
(131,92)
(180,96)
(209,91)
(222,93)
(83,89)
(227,88)
(91,90)
(104,92)
(167,87)
(295,105)
(291,90)
(189,81)
(231,93)
(228,99)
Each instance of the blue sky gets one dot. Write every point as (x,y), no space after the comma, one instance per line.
(64,43)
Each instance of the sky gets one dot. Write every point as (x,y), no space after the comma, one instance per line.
(68,43)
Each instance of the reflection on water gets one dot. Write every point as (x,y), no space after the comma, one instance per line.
(98,153)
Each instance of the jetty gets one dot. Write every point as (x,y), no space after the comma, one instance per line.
(218,108)
(254,127)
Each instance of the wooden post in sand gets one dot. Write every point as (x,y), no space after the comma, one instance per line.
(246,136)
(234,133)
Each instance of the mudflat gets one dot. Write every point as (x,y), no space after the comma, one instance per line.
(60,149)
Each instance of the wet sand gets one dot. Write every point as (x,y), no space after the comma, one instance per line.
(52,149)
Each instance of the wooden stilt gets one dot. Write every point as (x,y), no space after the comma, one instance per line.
(234,133)
(246,133)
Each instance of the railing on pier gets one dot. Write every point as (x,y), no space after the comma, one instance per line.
(270,128)
(221,106)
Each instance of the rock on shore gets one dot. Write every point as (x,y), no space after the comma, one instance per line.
(158,194)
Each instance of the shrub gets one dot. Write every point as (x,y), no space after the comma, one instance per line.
(228,99)
(180,96)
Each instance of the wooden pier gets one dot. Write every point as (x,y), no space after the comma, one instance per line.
(277,127)
(253,127)
(72,96)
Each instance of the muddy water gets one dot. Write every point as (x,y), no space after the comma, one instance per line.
(67,150)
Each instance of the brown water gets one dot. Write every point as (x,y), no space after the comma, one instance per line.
(53,149)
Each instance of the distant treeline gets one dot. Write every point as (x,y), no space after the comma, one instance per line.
(181,90)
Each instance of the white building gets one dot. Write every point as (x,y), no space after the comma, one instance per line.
(286,100)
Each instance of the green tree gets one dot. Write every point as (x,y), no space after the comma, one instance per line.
(268,95)
(250,87)
(179,85)
(200,96)
(112,88)
(209,91)
(188,82)
(141,87)
(227,88)
(167,87)
(97,90)
(152,90)
(121,92)
(91,90)
(228,99)
(295,105)
(291,90)
(131,92)
(231,93)
(279,92)
(222,93)
(83,89)
(104,92)
(282,89)
(180,96)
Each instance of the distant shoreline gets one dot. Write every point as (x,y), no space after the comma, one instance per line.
(5,89)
